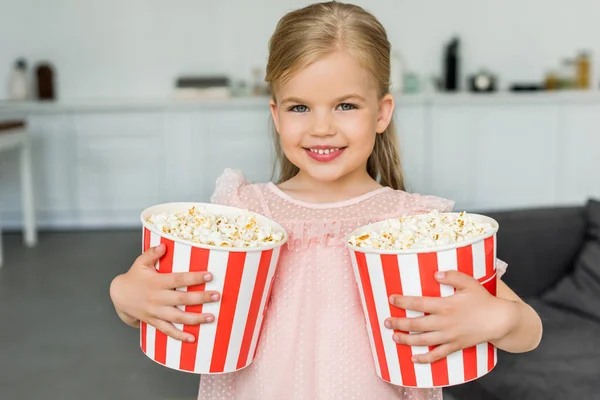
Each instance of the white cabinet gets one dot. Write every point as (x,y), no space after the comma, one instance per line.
(183,176)
(52,141)
(239,140)
(515,155)
(410,127)
(449,155)
(579,159)
(99,167)
(497,156)
(120,166)
(53,165)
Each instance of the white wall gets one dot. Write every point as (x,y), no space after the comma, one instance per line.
(136,48)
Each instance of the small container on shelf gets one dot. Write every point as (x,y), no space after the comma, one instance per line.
(18,85)
(583,66)
(483,82)
(551,81)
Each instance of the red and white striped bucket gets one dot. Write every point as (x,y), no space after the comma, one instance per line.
(243,277)
(380,274)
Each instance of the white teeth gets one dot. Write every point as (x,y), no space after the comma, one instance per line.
(321,151)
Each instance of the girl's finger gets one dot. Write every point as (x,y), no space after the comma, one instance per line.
(427,323)
(177,316)
(434,355)
(456,279)
(169,330)
(428,305)
(181,298)
(151,256)
(419,339)
(184,279)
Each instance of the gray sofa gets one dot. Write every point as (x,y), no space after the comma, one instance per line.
(554,264)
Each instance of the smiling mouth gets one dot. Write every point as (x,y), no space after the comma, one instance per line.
(324,154)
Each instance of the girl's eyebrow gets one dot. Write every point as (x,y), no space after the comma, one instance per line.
(339,99)
(291,100)
(350,96)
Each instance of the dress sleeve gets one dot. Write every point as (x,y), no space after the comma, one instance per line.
(500,267)
(227,191)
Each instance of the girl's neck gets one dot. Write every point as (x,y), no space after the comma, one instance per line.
(308,189)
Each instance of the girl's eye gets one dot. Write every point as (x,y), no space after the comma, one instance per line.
(346,106)
(300,108)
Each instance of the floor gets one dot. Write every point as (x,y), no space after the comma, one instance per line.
(59,336)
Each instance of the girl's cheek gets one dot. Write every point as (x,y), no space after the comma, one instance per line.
(293,127)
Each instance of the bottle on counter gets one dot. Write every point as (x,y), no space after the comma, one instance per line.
(18,86)
(551,81)
(583,66)
(45,79)
(452,66)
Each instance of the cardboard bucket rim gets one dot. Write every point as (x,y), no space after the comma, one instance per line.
(229,211)
(370,227)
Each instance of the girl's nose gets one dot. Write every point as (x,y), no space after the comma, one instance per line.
(322,124)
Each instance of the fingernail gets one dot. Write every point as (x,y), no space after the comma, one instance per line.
(414,359)
(388,324)
(209,319)
(207,277)
(396,338)
(190,339)
(391,299)
(215,297)
(159,247)
(440,275)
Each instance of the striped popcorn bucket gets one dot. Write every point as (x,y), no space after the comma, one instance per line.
(242,276)
(380,274)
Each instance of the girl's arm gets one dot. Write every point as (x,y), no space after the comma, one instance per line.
(524,331)
(469,317)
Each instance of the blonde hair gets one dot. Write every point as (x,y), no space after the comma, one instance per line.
(306,35)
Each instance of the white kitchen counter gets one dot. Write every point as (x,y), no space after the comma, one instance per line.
(98,163)
(128,105)
(172,104)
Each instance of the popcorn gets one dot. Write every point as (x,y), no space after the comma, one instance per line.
(202,227)
(422,231)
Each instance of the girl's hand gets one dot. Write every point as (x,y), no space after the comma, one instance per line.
(467,318)
(143,294)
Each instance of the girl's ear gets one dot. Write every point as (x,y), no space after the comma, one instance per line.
(274,114)
(385,112)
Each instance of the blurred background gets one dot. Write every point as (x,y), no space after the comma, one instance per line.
(110,107)
(138,48)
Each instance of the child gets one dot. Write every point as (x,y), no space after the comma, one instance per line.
(329,72)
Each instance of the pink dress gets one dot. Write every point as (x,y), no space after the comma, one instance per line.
(314,344)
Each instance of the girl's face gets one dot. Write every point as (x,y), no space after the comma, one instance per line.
(328,115)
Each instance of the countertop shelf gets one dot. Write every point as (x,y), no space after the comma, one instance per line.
(172,104)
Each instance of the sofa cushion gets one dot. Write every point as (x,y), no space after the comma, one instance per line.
(566,365)
(539,245)
(580,290)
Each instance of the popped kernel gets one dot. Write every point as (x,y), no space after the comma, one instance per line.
(199,226)
(433,229)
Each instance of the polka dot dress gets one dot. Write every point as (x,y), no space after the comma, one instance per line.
(314,343)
